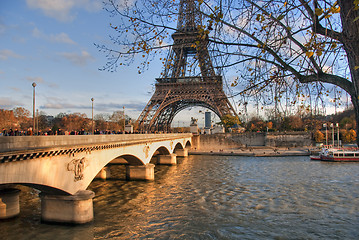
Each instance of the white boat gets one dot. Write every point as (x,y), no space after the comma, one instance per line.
(340,155)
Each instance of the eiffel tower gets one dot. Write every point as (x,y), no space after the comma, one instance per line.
(180,85)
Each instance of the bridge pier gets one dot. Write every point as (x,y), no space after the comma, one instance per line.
(182,152)
(104,174)
(167,159)
(142,172)
(75,209)
(9,203)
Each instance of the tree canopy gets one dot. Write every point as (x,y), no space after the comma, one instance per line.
(282,51)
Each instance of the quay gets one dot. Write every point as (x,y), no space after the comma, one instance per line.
(256,152)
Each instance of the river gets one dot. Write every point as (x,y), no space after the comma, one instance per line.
(212,197)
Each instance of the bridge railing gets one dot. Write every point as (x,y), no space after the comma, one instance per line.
(21,143)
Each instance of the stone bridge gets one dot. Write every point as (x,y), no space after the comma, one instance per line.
(62,167)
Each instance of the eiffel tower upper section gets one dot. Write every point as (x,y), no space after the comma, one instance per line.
(189,41)
(189,78)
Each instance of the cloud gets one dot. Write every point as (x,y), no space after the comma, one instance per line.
(77,59)
(2,27)
(60,106)
(35,79)
(58,9)
(40,80)
(137,106)
(9,103)
(56,38)
(15,89)
(57,103)
(62,10)
(7,53)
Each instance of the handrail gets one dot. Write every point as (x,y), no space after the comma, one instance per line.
(20,143)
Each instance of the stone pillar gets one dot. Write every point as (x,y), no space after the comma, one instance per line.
(104,173)
(75,209)
(142,172)
(182,153)
(196,142)
(9,203)
(167,159)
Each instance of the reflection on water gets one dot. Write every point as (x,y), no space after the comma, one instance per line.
(211,197)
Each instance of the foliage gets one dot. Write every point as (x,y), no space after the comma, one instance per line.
(349,136)
(7,119)
(285,51)
(318,136)
(19,119)
(229,121)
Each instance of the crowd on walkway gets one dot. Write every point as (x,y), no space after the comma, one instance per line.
(29,132)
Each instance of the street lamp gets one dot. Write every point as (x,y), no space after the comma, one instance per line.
(124,120)
(332,126)
(93,129)
(33,107)
(337,125)
(326,134)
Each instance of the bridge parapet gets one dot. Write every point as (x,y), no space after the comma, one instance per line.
(23,143)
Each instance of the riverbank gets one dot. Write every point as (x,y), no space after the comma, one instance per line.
(256,152)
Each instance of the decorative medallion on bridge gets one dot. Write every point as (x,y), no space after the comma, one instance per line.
(171,145)
(78,167)
(146,150)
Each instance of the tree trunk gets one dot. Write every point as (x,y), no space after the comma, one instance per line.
(350,40)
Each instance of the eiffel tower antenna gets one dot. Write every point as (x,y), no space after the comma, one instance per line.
(188,79)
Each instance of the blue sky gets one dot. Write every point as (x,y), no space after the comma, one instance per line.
(51,42)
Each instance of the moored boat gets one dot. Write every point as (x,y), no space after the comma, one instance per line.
(340,155)
(315,157)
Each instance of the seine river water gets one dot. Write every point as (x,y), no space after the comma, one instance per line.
(212,197)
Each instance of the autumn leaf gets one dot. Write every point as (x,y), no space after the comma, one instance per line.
(309,54)
(318,11)
(335,10)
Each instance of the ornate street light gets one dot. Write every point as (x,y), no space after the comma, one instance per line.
(33,108)
(93,126)
(326,134)
(124,120)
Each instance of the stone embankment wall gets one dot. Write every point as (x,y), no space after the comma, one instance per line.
(221,141)
(289,139)
(215,142)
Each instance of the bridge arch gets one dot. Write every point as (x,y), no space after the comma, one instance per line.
(188,145)
(167,112)
(131,160)
(178,146)
(162,151)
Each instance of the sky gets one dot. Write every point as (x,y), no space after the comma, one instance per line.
(51,43)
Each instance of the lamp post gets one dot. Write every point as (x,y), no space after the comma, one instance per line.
(33,108)
(332,126)
(37,121)
(124,120)
(337,125)
(93,129)
(326,134)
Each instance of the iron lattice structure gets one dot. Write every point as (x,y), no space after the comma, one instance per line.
(181,86)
